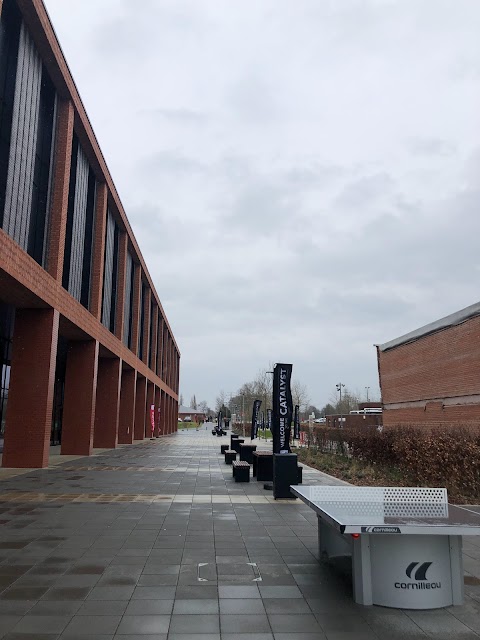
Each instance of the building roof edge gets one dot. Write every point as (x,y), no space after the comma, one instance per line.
(448,321)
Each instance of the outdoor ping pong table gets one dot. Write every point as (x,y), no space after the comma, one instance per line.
(405,542)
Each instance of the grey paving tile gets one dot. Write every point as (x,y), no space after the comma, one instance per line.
(253,623)
(144,624)
(149,607)
(280,592)
(89,625)
(34,624)
(203,623)
(238,592)
(294,622)
(241,606)
(196,606)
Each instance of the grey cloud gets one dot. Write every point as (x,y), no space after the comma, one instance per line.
(431,147)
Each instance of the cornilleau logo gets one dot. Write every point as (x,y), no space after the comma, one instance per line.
(420,575)
(381,530)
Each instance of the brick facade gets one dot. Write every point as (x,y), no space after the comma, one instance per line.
(106,385)
(433,379)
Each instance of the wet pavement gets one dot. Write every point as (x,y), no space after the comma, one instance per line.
(156,541)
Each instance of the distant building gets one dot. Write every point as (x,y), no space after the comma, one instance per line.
(195,414)
(431,376)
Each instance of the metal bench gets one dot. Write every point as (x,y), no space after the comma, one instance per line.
(241,471)
(230,456)
(405,543)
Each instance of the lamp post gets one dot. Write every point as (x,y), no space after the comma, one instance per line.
(366,389)
(339,389)
(243,414)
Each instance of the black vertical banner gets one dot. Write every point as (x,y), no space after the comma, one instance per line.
(296,422)
(219,421)
(282,408)
(255,410)
(269,420)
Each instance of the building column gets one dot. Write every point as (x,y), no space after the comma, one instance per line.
(140,404)
(107,403)
(161,423)
(32,377)
(98,251)
(79,398)
(170,415)
(175,413)
(61,184)
(156,401)
(148,421)
(126,418)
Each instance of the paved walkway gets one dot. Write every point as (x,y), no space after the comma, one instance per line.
(155,541)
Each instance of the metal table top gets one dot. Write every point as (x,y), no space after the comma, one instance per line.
(389,510)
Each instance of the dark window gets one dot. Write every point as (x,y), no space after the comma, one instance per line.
(7,319)
(110,273)
(58,391)
(10,22)
(150,345)
(23,141)
(88,244)
(127,316)
(142,321)
(80,222)
(43,171)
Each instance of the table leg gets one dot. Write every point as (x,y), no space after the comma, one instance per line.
(456,568)
(362,570)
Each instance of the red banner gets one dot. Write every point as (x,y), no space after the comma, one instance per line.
(152,417)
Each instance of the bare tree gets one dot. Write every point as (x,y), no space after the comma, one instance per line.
(300,396)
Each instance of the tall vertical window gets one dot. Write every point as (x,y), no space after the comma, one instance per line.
(150,344)
(10,23)
(128,309)
(27,123)
(110,273)
(141,337)
(80,221)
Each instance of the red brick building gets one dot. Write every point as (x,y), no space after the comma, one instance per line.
(85,348)
(432,375)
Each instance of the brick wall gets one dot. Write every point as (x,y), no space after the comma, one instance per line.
(433,380)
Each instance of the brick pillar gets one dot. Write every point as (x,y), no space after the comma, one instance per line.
(169,399)
(175,415)
(161,426)
(140,404)
(137,285)
(60,183)
(156,400)
(1,3)
(107,403)
(32,378)
(126,418)
(98,251)
(148,422)
(122,276)
(146,326)
(79,398)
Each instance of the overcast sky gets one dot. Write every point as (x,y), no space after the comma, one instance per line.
(302,176)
